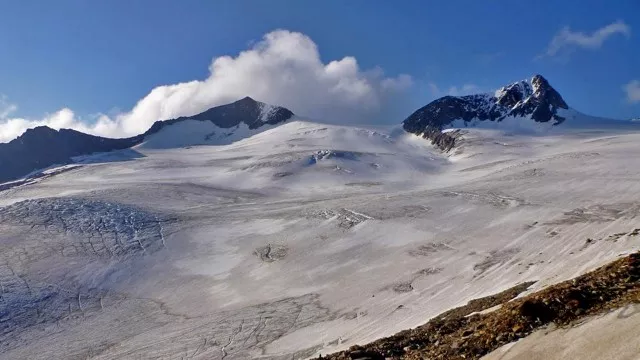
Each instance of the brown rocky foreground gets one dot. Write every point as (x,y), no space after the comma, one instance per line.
(464,333)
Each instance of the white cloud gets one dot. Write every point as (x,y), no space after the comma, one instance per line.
(566,40)
(6,108)
(465,89)
(284,68)
(632,89)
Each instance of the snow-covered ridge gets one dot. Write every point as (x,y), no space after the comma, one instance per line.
(246,111)
(217,126)
(190,132)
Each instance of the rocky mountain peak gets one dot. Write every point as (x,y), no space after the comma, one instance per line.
(539,83)
(526,98)
(535,100)
(543,91)
(248,100)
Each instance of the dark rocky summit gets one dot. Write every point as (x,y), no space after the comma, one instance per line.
(42,147)
(534,99)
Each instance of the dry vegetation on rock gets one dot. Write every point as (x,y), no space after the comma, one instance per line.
(464,333)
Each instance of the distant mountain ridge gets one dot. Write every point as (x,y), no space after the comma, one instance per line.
(42,146)
(532,102)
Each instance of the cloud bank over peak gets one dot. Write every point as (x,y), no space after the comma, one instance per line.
(284,68)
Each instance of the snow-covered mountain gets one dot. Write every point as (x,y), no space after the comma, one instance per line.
(534,99)
(43,147)
(290,238)
(531,106)
(303,239)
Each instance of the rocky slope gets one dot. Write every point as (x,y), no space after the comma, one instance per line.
(533,99)
(473,330)
(43,147)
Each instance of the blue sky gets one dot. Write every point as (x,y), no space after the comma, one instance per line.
(98,59)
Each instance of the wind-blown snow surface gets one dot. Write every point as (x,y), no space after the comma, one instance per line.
(196,132)
(299,240)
